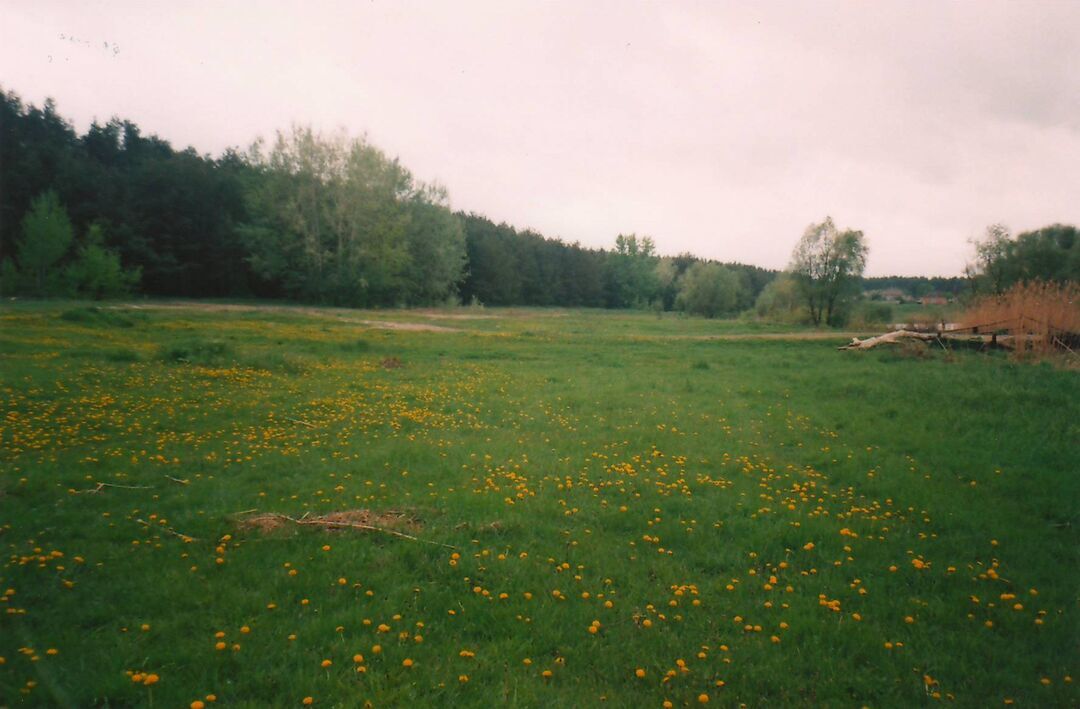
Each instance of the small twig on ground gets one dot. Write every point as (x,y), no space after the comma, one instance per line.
(353,525)
(102,486)
(186,537)
(1067,348)
(299,421)
(178,480)
(242,512)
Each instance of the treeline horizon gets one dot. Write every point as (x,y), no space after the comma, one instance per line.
(259,224)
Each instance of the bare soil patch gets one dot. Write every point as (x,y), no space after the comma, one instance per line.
(397,325)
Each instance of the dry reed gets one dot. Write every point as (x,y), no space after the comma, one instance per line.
(1042,318)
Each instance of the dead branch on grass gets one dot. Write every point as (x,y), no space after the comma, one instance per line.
(887,339)
(186,537)
(355,519)
(102,486)
(969,340)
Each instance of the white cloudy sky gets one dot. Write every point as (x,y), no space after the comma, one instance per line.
(717,128)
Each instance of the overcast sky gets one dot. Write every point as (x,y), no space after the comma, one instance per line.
(722,129)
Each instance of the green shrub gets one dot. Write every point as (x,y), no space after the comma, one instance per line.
(96,272)
(780,301)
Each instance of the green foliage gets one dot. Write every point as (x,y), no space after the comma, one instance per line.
(827,264)
(511,267)
(311,217)
(10,278)
(709,289)
(339,222)
(781,301)
(96,272)
(915,287)
(173,213)
(631,278)
(1049,254)
(991,268)
(667,282)
(436,240)
(47,234)
(333,220)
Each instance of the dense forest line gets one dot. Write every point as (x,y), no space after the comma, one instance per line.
(313,218)
(331,219)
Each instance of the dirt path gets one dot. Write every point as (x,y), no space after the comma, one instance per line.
(341,316)
(396,325)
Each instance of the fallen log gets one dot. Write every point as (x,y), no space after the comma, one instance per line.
(890,338)
(954,340)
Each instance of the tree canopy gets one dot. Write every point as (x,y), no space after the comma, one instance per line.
(827,264)
(709,289)
(335,220)
(1050,254)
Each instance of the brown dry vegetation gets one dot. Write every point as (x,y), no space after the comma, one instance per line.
(361,519)
(1043,317)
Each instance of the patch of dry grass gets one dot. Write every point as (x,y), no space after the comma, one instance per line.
(1042,317)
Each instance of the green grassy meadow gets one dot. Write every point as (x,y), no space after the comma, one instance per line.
(605,509)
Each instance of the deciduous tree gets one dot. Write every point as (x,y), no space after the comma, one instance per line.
(96,271)
(709,289)
(47,234)
(341,222)
(827,264)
